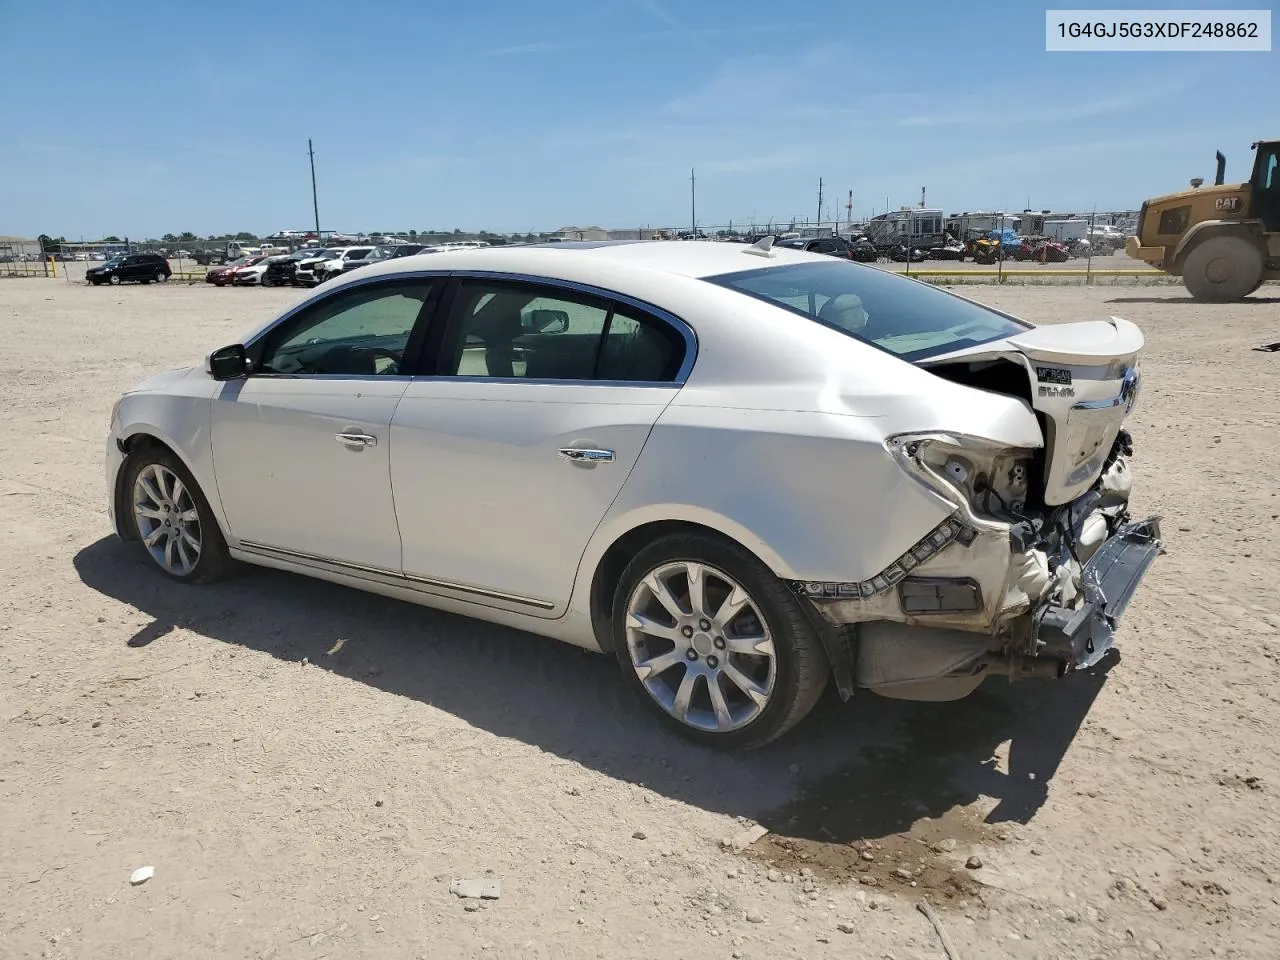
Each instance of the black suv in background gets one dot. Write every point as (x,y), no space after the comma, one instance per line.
(142,267)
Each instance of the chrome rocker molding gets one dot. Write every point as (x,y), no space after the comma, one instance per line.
(392,577)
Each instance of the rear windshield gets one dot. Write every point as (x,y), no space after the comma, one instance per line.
(906,318)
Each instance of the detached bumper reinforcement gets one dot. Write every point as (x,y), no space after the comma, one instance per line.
(1110,579)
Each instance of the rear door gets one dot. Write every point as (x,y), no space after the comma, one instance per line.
(508,456)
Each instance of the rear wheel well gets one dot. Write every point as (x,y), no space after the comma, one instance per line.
(130,446)
(609,570)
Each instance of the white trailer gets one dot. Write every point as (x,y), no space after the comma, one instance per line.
(915,226)
(1064,230)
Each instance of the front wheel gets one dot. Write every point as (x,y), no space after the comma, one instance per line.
(115,279)
(1223,269)
(714,643)
(172,518)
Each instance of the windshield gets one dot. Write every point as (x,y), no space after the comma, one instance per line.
(114,262)
(905,317)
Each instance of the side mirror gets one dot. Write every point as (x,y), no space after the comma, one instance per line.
(549,321)
(227,363)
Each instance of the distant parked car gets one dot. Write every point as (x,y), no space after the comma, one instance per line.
(251,275)
(832,246)
(223,275)
(335,266)
(305,274)
(389,251)
(140,267)
(282,270)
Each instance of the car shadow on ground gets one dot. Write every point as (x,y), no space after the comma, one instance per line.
(1192,301)
(865,769)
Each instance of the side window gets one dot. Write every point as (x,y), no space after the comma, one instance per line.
(357,332)
(638,348)
(515,330)
(540,333)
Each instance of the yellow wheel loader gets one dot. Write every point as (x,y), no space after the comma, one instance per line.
(1223,240)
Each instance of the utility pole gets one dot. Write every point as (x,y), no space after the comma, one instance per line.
(693,203)
(848,213)
(315,204)
(819,203)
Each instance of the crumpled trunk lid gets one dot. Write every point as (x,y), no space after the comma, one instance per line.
(1083,382)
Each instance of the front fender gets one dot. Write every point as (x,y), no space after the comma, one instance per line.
(1207,228)
(182,423)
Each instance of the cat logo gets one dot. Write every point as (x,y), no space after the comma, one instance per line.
(1227,203)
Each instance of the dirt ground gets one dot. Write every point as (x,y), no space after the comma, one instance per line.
(298,800)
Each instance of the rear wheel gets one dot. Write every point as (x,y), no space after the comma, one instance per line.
(161,276)
(1223,269)
(714,643)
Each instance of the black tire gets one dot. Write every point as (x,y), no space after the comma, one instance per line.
(214,561)
(801,664)
(1222,269)
(115,279)
(161,276)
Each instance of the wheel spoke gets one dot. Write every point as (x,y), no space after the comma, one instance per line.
(154,536)
(651,628)
(170,548)
(180,548)
(654,666)
(149,487)
(733,604)
(757,646)
(151,513)
(190,516)
(724,719)
(758,694)
(662,593)
(186,537)
(178,490)
(697,577)
(684,695)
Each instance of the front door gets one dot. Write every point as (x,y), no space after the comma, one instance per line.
(508,459)
(301,447)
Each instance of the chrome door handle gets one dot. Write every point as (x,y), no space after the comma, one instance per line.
(586,455)
(356,439)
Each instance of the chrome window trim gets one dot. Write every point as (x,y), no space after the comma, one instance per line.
(252,546)
(686,332)
(546,382)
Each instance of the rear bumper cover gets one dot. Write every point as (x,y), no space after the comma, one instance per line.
(1082,636)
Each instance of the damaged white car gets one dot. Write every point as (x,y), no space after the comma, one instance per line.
(744,471)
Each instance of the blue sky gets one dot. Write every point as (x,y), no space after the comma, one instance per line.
(139,119)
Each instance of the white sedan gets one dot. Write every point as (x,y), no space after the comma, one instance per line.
(744,471)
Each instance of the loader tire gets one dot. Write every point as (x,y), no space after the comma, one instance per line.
(1222,269)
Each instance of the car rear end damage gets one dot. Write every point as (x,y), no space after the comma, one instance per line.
(1030,574)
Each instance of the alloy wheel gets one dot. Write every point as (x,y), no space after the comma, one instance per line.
(167,518)
(700,646)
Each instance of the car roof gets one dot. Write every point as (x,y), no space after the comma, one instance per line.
(685,258)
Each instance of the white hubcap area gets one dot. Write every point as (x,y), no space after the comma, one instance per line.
(167,518)
(700,647)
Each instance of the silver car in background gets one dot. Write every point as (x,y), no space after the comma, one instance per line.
(746,472)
